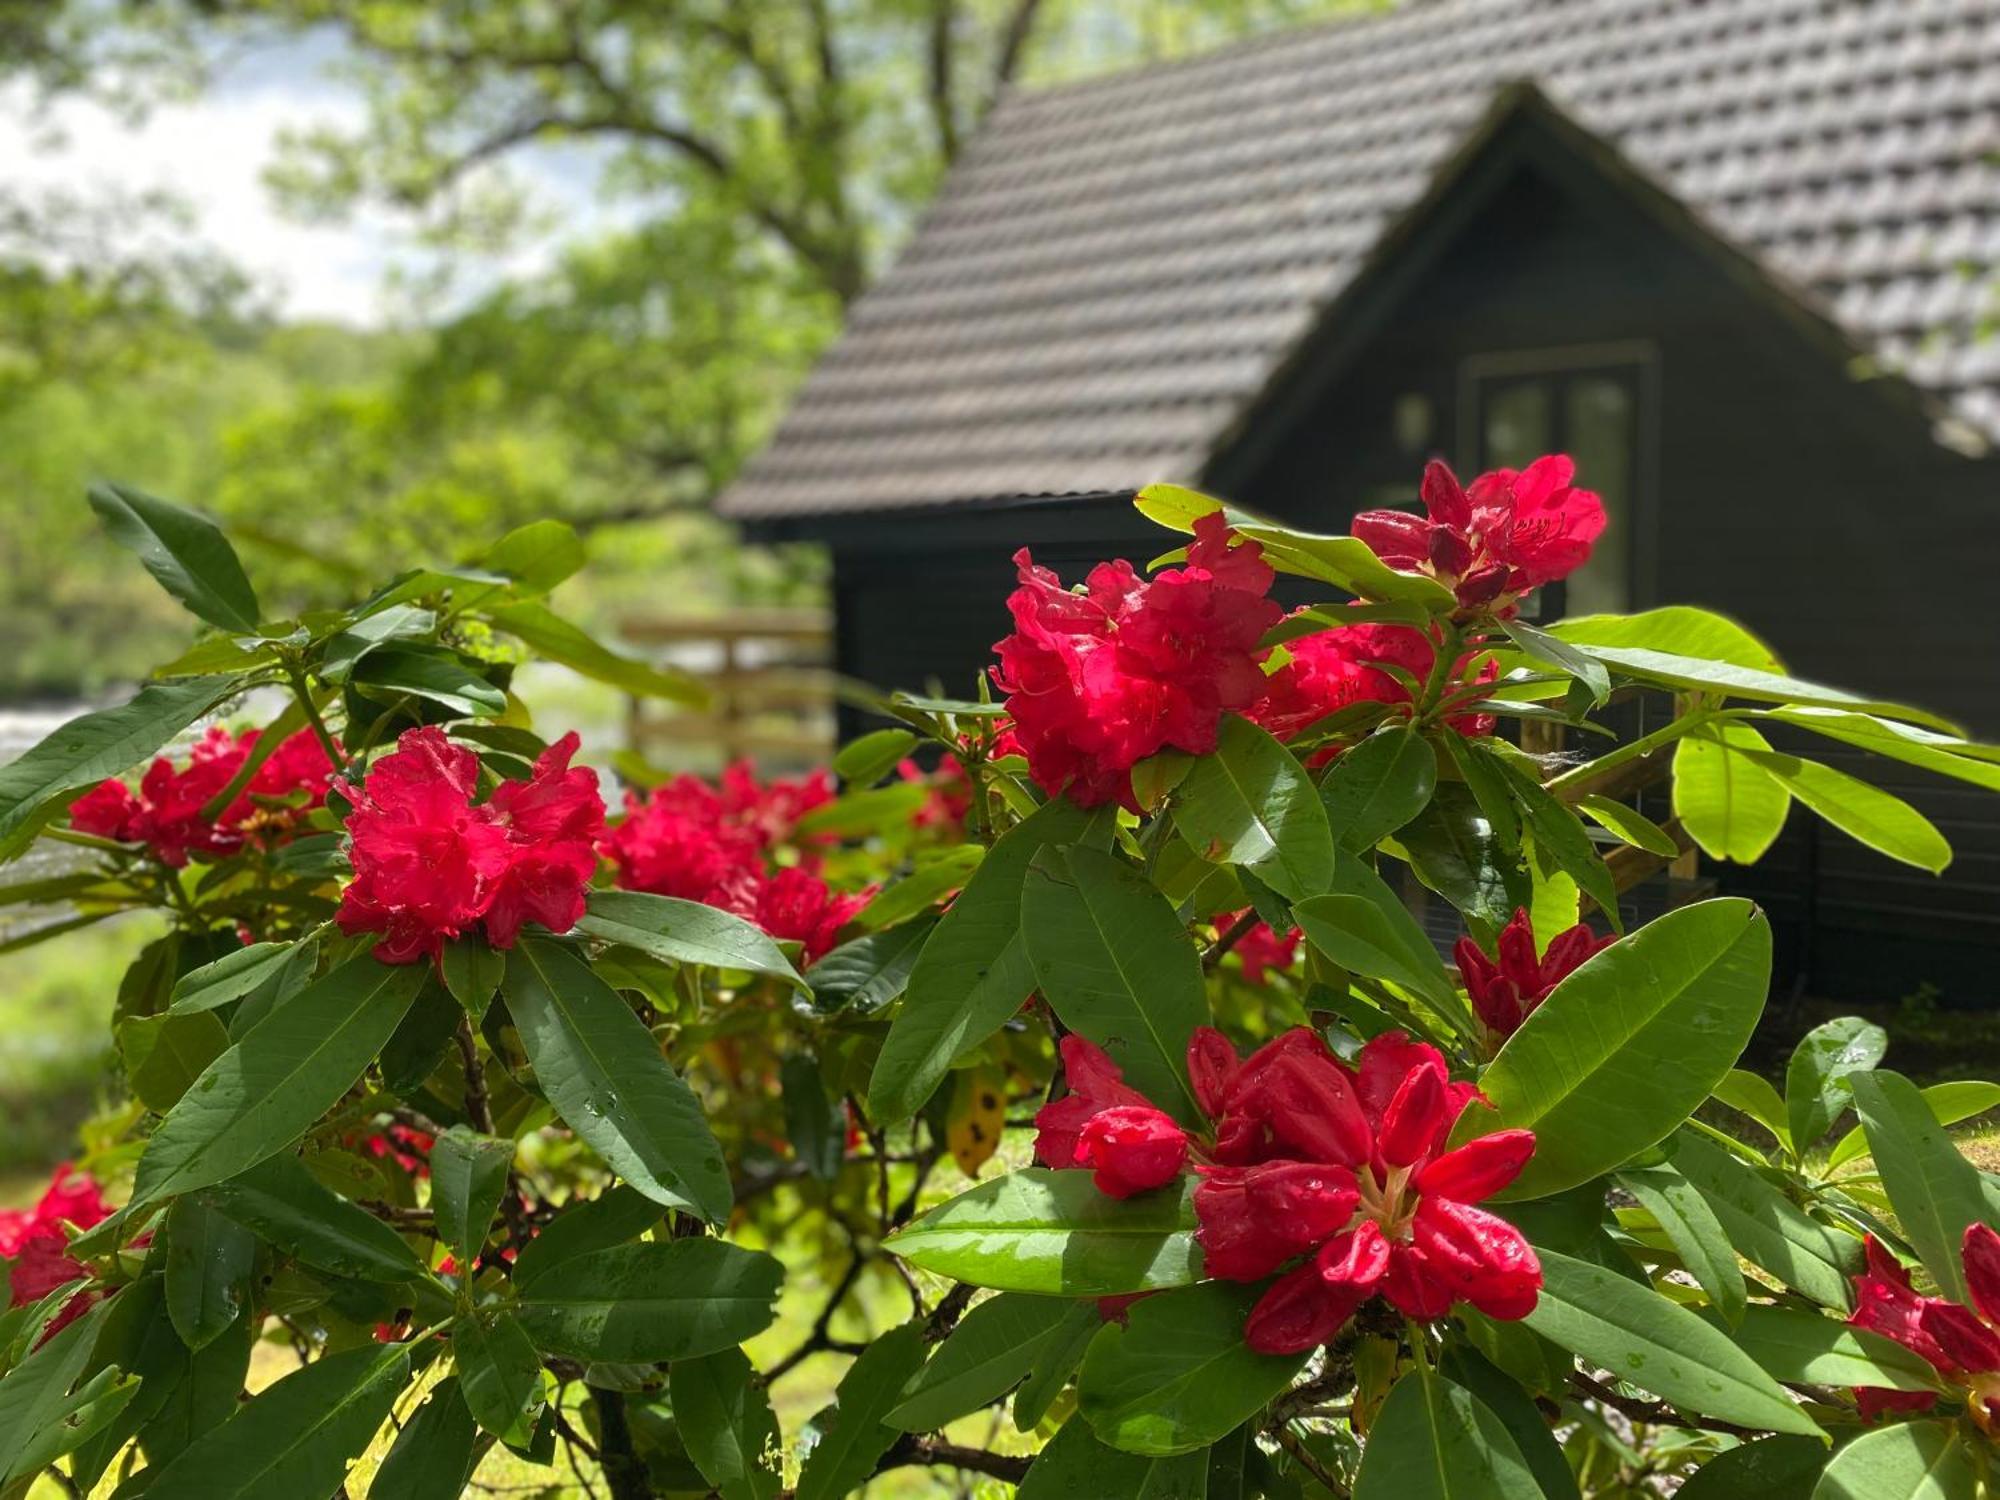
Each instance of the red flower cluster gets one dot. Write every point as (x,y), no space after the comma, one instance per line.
(430,866)
(1507,533)
(1348,1167)
(1261,950)
(950,795)
(697,842)
(1332,669)
(165,814)
(35,1250)
(1506,993)
(1098,681)
(1107,1125)
(1962,1345)
(407,1146)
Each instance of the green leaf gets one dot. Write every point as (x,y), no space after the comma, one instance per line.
(109,742)
(1076,1466)
(1560,835)
(203,1391)
(35,1394)
(684,932)
(1553,651)
(725,1418)
(1910,1461)
(390,673)
(473,971)
(1251,803)
(186,552)
(650,1301)
(1865,813)
(1732,681)
(468,1180)
(1434,1440)
(403,623)
(432,1456)
(934,875)
(1629,1044)
(1935,1191)
(537,556)
(1696,1234)
(1378,786)
(295,1439)
(210,1260)
(866,760)
(230,977)
(499,1374)
(815,1123)
(856,1435)
(1452,847)
(1061,1353)
(1631,827)
(1176,1375)
(549,635)
(1729,805)
(164,1055)
(1118,967)
(1817,1080)
(867,973)
(1949,1103)
(1348,563)
(605,1075)
(993,1349)
(1765,1226)
(98,1404)
(1802,1347)
(974,970)
(859,814)
(1356,934)
(618,1215)
(1945,754)
(1055,1234)
(269,1089)
(286,1205)
(1753,1094)
(1631,1330)
(1776,1468)
(1501,1395)
(1683,629)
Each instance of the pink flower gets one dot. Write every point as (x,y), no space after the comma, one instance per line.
(1098,681)
(1505,535)
(1959,1342)
(1506,993)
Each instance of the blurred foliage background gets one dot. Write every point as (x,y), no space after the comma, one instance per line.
(756,163)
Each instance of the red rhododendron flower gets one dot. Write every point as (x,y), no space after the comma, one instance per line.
(1099,680)
(1348,1167)
(771,811)
(678,841)
(407,1146)
(1333,669)
(1107,1125)
(429,866)
(35,1248)
(795,905)
(1506,993)
(1959,1342)
(950,794)
(1260,949)
(1506,534)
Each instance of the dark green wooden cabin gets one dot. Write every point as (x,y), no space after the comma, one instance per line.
(1737,256)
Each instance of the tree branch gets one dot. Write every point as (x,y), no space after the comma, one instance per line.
(1013,47)
(912,1451)
(944,100)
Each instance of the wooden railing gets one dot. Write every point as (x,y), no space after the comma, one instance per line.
(770,676)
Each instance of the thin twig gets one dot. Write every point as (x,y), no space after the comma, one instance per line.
(1237,931)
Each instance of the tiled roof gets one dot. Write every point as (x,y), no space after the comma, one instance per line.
(1114,269)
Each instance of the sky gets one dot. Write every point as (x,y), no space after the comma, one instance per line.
(211,153)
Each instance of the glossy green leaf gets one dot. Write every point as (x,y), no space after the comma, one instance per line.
(1500,1394)
(295,1439)
(468,1180)
(1753,1094)
(974,971)
(1378,786)
(684,932)
(1630,825)
(992,1350)
(934,876)
(1698,1237)
(164,1055)
(1251,803)
(537,556)
(1553,651)
(1871,816)
(604,1073)
(204,1387)
(473,970)
(35,785)
(1801,1347)
(1909,1461)
(1629,1044)
(185,551)
(1060,1356)
(499,1375)
(1766,1227)
(1117,966)
(1684,629)
(1435,1440)
(1774,1468)
(391,673)
(98,1404)
(1452,847)
(1176,1374)
(855,1436)
(1729,805)
(1559,835)
(1949,1103)
(230,977)
(1631,1330)
(268,1089)
(35,1393)
(1076,1466)
(866,760)
(650,1301)
(1356,934)
(291,1209)
(860,814)
(726,1420)
(549,635)
(1054,1234)
(432,1456)
(1816,1080)
(1945,754)
(210,1260)
(864,974)
(815,1122)
(1731,681)
(617,1216)
(1936,1191)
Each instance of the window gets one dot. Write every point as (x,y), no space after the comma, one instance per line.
(1592,405)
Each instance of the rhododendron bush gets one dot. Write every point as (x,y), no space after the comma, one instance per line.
(1217,1057)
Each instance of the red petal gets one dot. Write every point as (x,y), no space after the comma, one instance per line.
(1981,1249)
(1400,539)
(1299,1312)
(1356,1261)
(1479,1256)
(1410,1287)
(1415,1121)
(1443,497)
(1133,1147)
(1212,1065)
(1480,1168)
(1966,1341)
(1383,1065)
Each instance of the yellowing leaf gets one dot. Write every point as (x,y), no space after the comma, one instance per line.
(977,1115)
